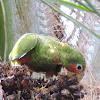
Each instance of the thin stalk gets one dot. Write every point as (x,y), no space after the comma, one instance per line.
(5,28)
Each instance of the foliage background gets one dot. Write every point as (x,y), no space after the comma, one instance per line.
(27,16)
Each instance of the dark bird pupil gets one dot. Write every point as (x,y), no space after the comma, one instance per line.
(79,67)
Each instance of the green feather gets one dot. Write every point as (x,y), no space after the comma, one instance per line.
(26,43)
(46,52)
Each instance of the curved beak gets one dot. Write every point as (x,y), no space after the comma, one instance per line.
(79,76)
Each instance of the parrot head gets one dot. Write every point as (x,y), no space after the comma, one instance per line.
(76,63)
(73,60)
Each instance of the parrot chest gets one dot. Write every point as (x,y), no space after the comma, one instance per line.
(45,56)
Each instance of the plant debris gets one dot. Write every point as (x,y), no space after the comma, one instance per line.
(17,84)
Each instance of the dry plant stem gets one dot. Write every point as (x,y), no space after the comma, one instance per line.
(1,93)
(93,86)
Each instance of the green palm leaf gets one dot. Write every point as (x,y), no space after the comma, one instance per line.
(70,18)
(72,5)
(2,34)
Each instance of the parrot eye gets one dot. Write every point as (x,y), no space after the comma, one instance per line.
(79,67)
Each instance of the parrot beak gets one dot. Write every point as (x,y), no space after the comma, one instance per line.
(70,74)
(79,76)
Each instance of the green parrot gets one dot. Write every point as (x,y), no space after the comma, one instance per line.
(46,54)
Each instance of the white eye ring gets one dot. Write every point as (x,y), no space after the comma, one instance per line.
(79,67)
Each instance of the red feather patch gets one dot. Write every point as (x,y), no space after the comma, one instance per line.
(73,69)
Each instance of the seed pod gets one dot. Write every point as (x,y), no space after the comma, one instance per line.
(73,88)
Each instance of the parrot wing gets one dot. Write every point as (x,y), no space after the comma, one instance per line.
(26,43)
